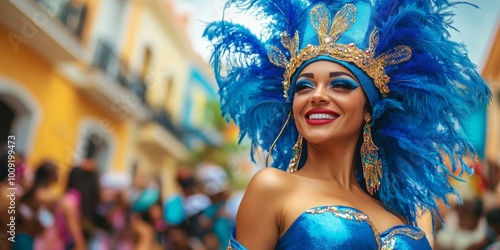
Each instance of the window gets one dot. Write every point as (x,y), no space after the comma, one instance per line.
(6,122)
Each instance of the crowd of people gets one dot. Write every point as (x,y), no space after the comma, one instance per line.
(113,211)
(474,223)
(110,211)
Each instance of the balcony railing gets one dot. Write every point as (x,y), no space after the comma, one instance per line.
(71,13)
(162,117)
(107,60)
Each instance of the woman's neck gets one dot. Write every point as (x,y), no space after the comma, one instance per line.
(333,162)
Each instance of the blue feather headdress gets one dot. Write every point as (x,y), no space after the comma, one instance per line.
(417,123)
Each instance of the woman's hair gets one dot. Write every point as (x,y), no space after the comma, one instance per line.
(86,182)
(45,175)
(74,180)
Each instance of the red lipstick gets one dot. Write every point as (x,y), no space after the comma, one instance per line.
(320,116)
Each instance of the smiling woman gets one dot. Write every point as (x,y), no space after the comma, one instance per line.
(358,102)
(328,105)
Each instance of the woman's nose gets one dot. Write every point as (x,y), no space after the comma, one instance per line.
(319,95)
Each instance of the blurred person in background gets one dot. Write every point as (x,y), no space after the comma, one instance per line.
(492,196)
(32,214)
(465,227)
(215,221)
(493,219)
(24,174)
(183,210)
(194,201)
(140,182)
(76,212)
(147,222)
(114,209)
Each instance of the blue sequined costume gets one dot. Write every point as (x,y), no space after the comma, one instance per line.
(342,227)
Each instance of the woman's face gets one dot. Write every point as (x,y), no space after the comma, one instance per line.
(329,103)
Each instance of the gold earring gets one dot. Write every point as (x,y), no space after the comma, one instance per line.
(293,166)
(372,165)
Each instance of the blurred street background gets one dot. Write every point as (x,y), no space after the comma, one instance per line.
(112,138)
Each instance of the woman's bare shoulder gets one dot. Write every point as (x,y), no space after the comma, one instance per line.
(271,178)
(259,214)
(268,183)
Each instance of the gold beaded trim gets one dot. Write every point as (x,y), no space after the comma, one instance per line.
(343,20)
(389,244)
(416,235)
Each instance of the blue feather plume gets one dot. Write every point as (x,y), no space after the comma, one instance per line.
(418,126)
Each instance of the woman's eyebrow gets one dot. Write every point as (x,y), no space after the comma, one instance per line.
(308,75)
(340,73)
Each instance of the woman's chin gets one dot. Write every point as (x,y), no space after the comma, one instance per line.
(328,139)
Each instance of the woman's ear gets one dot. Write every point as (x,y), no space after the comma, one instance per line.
(368,116)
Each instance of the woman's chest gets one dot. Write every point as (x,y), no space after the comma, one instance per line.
(340,227)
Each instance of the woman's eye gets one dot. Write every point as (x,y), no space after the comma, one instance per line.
(303,85)
(344,83)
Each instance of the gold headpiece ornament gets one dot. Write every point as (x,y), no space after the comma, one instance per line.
(343,20)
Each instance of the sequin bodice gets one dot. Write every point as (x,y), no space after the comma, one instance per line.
(342,227)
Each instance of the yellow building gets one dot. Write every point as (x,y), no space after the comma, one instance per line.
(51,111)
(157,49)
(491,73)
(111,74)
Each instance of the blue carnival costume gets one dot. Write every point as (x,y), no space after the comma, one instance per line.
(421,87)
(342,227)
